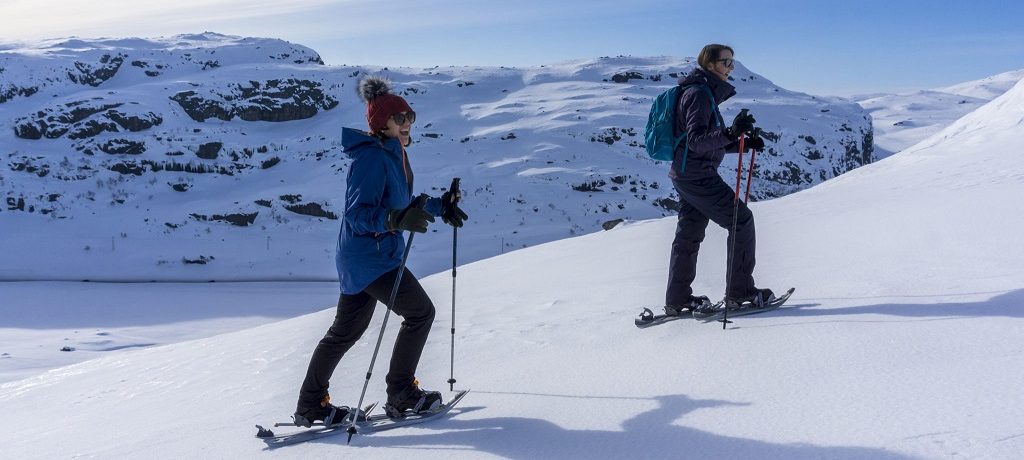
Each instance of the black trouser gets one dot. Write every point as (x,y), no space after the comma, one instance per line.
(702,200)
(352,319)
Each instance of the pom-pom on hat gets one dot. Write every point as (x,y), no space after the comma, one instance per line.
(380,103)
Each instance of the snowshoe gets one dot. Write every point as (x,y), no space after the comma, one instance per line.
(412,400)
(326,412)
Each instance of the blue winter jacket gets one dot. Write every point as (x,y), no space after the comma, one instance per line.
(377,183)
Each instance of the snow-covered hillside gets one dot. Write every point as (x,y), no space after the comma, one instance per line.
(902,120)
(903,341)
(202,157)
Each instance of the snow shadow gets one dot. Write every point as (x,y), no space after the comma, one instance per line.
(650,434)
(73,305)
(1005,304)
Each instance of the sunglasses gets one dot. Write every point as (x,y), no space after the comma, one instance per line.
(401,118)
(725,62)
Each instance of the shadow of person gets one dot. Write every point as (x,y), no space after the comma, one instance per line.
(650,434)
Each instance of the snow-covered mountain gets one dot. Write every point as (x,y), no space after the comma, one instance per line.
(202,157)
(903,341)
(902,120)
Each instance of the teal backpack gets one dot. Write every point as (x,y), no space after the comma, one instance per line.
(660,141)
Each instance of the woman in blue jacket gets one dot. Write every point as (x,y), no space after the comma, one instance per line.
(378,208)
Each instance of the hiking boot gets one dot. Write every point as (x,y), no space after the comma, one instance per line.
(325,412)
(412,400)
(758,298)
(692,304)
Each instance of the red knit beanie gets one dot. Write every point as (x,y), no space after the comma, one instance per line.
(380,103)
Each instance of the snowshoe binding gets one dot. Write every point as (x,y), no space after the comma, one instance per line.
(326,412)
(412,400)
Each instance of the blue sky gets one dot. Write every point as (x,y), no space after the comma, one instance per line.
(821,47)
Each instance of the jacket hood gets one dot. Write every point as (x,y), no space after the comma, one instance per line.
(354,141)
(722,90)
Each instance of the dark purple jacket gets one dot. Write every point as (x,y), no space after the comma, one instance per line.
(696,116)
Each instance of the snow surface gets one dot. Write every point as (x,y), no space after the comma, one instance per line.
(902,341)
(544,153)
(902,120)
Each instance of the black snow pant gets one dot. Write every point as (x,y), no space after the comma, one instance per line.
(352,319)
(702,200)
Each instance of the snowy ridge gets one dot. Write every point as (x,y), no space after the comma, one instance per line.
(902,120)
(210,157)
(902,341)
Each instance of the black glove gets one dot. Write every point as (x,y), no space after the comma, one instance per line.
(753,143)
(743,123)
(451,214)
(413,218)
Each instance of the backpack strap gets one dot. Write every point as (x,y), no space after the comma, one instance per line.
(718,121)
(714,106)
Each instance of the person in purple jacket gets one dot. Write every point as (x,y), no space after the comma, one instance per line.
(704,195)
(378,207)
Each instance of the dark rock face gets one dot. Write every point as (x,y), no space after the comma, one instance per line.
(237,219)
(626,76)
(83,119)
(12,92)
(273,100)
(611,224)
(311,209)
(95,75)
(209,150)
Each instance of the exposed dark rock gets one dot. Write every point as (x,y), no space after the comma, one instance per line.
(592,186)
(626,76)
(127,167)
(82,120)
(238,219)
(264,203)
(273,100)
(610,136)
(29,131)
(202,260)
(95,75)
(611,224)
(311,209)
(209,150)
(90,128)
(12,92)
(180,187)
(667,204)
(123,146)
(135,123)
(270,163)
(291,198)
(15,204)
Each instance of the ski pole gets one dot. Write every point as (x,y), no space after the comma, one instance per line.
(750,172)
(419,202)
(456,194)
(732,242)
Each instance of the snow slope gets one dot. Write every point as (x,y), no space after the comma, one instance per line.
(210,157)
(902,120)
(902,341)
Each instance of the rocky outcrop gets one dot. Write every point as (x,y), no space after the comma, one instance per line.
(272,100)
(95,74)
(85,119)
(9,92)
